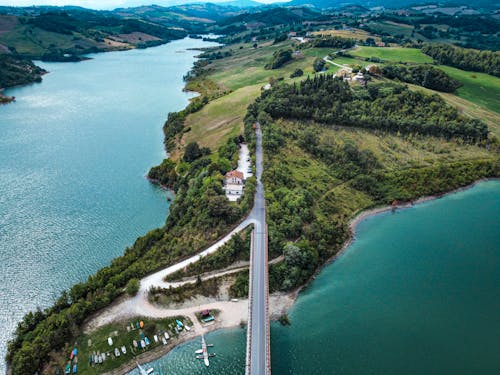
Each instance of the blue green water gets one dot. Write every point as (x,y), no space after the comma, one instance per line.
(74,151)
(416,293)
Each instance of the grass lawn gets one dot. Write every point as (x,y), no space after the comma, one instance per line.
(480,88)
(97,342)
(394,54)
(220,119)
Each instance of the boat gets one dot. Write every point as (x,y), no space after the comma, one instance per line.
(134,343)
(141,370)
(143,344)
(155,338)
(166,335)
(103,357)
(67,370)
(124,350)
(188,328)
(147,341)
(179,323)
(149,370)
(75,369)
(110,341)
(164,341)
(117,352)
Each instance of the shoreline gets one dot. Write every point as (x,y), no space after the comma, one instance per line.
(369,212)
(280,303)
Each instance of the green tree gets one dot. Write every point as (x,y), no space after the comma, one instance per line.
(133,287)
(318,64)
(192,152)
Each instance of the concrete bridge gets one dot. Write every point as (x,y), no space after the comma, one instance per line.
(258,360)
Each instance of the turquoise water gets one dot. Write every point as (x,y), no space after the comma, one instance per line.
(74,151)
(416,293)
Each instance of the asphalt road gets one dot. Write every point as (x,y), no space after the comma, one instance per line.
(258,324)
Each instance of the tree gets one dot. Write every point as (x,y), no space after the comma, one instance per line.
(318,65)
(192,152)
(297,73)
(132,287)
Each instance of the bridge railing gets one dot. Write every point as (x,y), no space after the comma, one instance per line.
(250,302)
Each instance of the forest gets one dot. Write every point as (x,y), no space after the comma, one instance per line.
(382,106)
(16,71)
(422,75)
(463,58)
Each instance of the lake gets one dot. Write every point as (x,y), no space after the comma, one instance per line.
(415,293)
(74,152)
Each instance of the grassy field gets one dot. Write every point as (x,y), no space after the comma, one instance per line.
(246,66)
(220,119)
(480,88)
(394,54)
(356,34)
(392,28)
(97,342)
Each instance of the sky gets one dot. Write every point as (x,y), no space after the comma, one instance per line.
(109,4)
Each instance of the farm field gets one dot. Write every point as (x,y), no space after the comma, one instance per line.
(480,88)
(393,54)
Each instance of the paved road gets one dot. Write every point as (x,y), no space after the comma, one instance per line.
(258,352)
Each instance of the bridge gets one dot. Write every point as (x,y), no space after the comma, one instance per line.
(258,356)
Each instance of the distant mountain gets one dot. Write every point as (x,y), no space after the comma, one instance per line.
(325,4)
(242,3)
(272,16)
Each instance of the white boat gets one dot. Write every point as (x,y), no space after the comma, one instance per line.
(124,350)
(110,341)
(166,335)
(117,352)
(103,357)
(150,370)
(155,338)
(164,341)
(141,370)
(188,328)
(143,344)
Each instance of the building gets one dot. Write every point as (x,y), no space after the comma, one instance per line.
(234,178)
(234,184)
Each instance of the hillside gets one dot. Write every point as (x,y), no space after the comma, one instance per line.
(67,35)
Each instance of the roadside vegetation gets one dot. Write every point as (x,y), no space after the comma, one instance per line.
(236,249)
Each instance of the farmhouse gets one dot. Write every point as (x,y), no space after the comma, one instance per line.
(234,184)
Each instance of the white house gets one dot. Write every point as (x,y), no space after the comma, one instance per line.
(234,184)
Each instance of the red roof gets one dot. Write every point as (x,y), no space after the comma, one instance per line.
(237,174)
